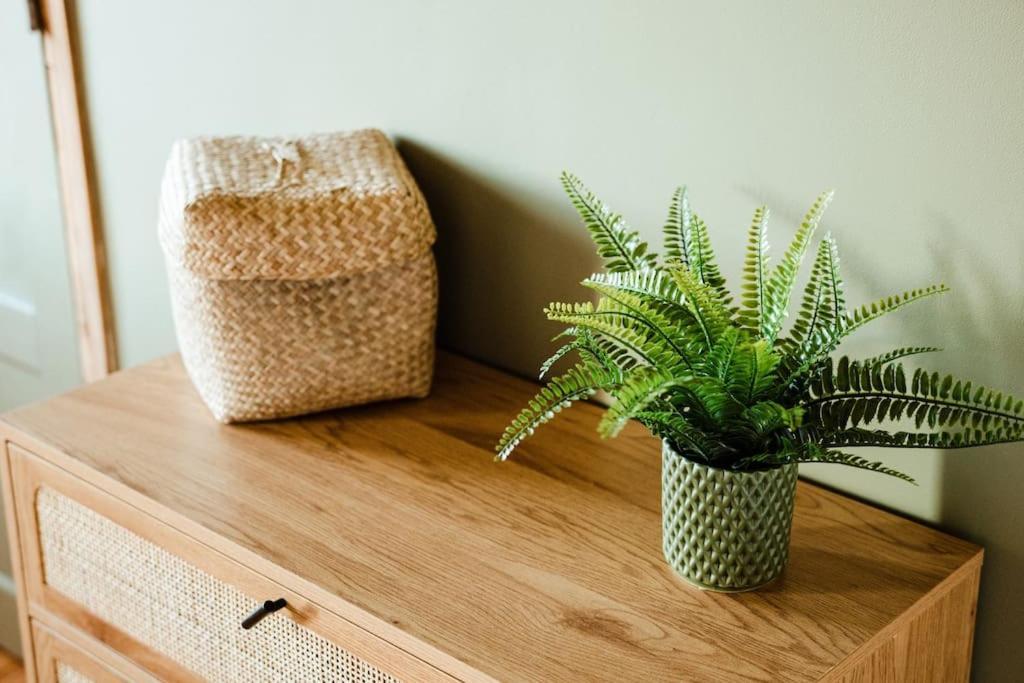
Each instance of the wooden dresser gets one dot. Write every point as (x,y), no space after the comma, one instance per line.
(144,533)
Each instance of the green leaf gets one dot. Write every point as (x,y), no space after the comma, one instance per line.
(780,285)
(754,288)
(832,282)
(677,230)
(827,341)
(684,436)
(702,261)
(581,381)
(768,416)
(656,292)
(621,248)
(584,344)
(635,395)
(873,311)
(811,452)
(630,335)
(865,388)
(815,308)
(723,355)
(753,373)
(709,312)
(681,335)
(652,285)
(896,354)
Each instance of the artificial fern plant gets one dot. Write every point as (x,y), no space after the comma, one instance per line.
(720,381)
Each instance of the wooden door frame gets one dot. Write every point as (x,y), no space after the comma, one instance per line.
(94,322)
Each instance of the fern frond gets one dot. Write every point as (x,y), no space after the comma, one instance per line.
(818,347)
(754,287)
(703,263)
(814,453)
(653,285)
(833,281)
(945,440)
(768,416)
(780,285)
(621,248)
(967,438)
(628,333)
(680,334)
(618,350)
(707,401)
(708,310)
(635,395)
(723,354)
(857,393)
(681,433)
(813,309)
(875,310)
(677,230)
(896,354)
(658,294)
(752,376)
(584,344)
(822,313)
(581,381)
(560,353)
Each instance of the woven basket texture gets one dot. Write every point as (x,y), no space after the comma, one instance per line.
(301,272)
(177,609)
(725,530)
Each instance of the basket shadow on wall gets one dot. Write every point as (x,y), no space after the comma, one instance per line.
(501,259)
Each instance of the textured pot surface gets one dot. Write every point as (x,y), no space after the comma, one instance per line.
(725,530)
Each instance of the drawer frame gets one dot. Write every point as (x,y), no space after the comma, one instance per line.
(89,658)
(26,472)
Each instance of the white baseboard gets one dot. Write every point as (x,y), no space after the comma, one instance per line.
(10,637)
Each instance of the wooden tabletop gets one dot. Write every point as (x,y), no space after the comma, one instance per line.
(547,567)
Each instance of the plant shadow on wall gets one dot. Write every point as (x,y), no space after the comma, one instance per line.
(981,492)
(498,259)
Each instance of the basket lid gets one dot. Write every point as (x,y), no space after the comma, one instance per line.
(321,206)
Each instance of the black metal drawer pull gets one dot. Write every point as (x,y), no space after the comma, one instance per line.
(269,607)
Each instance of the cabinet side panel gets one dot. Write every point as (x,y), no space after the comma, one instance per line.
(933,645)
(937,644)
(17,563)
(877,667)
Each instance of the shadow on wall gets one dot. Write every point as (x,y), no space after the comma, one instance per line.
(500,262)
(981,488)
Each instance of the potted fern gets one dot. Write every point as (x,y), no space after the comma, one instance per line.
(737,400)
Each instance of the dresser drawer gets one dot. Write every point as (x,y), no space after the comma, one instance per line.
(171,604)
(73,658)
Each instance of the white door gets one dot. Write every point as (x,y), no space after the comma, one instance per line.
(38,347)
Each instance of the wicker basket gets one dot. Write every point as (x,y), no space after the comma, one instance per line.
(723,530)
(301,272)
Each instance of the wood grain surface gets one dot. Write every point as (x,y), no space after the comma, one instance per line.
(544,568)
(85,245)
(74,651)
(11,670)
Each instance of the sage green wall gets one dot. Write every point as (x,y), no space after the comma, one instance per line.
(913,110)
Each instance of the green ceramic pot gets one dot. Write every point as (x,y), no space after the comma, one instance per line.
(724,530)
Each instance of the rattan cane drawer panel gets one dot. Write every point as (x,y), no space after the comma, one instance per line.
(68,674)
(176,609)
